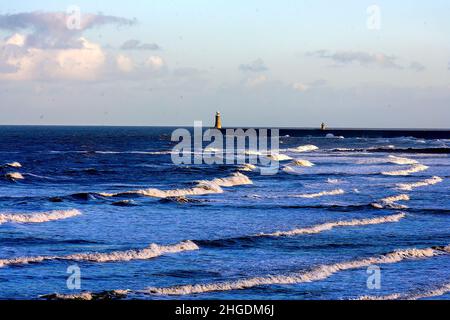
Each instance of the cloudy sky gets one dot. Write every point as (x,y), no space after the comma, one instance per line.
(260,62)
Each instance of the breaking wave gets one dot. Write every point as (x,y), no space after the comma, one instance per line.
(248,167)
(424,183)
(203,187)
(306,148)
(321,194)
(302,163)
(279,157)
(391,202)
(151,252)
(39,217)
(14,164)
(401,161)
(415,168)
(436,292)
(316,274)
(13,176)
(330,225)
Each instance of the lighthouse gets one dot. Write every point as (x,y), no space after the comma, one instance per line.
(218,124)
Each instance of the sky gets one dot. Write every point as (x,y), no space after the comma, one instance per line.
(298,63)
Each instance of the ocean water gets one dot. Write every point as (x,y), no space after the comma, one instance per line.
(98,197)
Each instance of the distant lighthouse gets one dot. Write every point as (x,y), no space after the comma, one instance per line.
(218,124)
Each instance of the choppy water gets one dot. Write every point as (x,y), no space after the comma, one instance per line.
(98,198)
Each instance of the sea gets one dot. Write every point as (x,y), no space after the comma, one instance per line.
(105,213)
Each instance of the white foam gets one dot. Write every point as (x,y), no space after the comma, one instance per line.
(305,148)
(151,252)
(248,167)
(424,183)
(391,202)
(334,181)
(332,136)
(14,176)
(14,165)
(413,169)
(412,296)
(321,194)
(316,274)
(302,163)
(38,217)
(330,225)
(401,161)
(279,157)
(203,187)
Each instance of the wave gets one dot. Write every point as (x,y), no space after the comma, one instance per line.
(413,169)
(302,231)
(151,252)
(401,161)
(330,225)
(435,292)
(302,163)
(390,202)
(13,176)
(424,183)
(14,164)
(279,157)
(39,217)
(248,167)
(316,274)
(305,148)
(321,194)
(203,187)
(397,150)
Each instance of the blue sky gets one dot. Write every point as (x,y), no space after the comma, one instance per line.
(280,63)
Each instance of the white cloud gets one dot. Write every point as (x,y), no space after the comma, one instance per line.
(256,81)
(124,63)
(300,86)
(155,62)
(84,63)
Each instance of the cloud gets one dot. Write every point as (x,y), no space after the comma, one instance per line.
(52,29)
(137,45)
(256,81)
(358,57)
(124,63)
(382,60)
(302,87)
(417,66)
(155,62)
(22,63)
(43,47)
(298,86)
(255,66)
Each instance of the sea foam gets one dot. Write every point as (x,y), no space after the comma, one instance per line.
(413,169)
(38,217)
(330,225)
(316,274)
(150,252)
(321,194)
(305,148)
(424,183)
(419,294)
(14,176)
(203,187)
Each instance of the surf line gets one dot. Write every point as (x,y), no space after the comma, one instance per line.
(420,294)
(317,273)
(155,250)
(150,252)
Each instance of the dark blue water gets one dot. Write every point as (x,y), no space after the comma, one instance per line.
(65,168)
